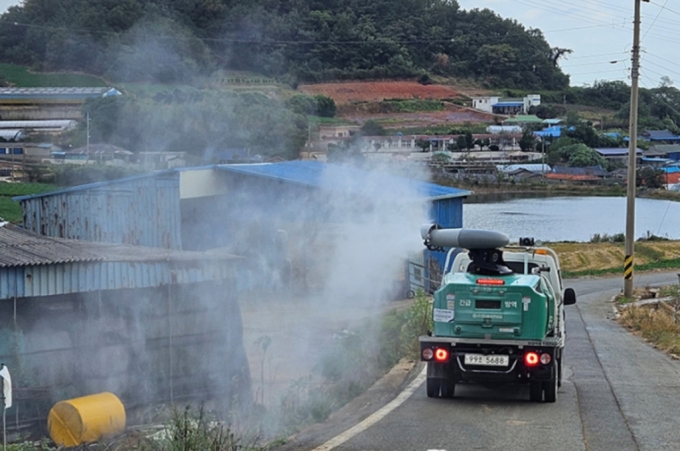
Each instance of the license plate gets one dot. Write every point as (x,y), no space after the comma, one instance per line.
(487,360)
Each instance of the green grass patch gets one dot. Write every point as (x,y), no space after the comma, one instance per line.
(25,189)
(442,129)
(317,120)
(11,210)
(21,77)
(410,106)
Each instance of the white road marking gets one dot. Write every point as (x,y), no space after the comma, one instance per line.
(377,416)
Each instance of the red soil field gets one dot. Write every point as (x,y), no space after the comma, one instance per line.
(369,91)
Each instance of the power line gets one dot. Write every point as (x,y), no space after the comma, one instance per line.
(660,57)
(599,54)
(664,7)
(597,72)
(596,63)
(664,68)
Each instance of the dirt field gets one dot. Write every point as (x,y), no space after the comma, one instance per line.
(421,119)
(369,91)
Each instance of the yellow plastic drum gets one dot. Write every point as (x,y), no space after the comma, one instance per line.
(87,419)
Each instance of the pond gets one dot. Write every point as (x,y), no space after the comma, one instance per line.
(566,218)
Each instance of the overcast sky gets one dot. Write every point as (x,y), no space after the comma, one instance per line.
(4,4)
(600,32)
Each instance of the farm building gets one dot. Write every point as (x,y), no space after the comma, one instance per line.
(148,324)
(617,154)
(40,126)
(58,96)
(23,104)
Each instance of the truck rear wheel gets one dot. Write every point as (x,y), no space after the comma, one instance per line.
(559,370)
(550,388)
(536,391)
(448,389)
(433,386)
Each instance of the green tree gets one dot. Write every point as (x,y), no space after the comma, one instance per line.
(372,128)
(651,177)
(469,140)
(461,142)
(528,141)
(424,144)
(580,155)
(325,106)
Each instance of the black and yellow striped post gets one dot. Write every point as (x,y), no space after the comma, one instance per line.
(628,267)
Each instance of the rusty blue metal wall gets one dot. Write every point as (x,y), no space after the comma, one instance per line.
(447,213)
(70,278)
(143,211)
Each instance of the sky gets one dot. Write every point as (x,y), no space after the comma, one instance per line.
(4,4)
(600,33)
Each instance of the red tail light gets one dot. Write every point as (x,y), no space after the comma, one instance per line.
(441,355)
(531,358)
(490,282)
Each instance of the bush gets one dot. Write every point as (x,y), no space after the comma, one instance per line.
(194,432)
(75,174)
(606,238)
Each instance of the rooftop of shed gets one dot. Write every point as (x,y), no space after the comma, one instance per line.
(311,173)
(20,247)
(306,173)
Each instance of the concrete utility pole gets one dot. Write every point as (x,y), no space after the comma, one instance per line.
(632,158)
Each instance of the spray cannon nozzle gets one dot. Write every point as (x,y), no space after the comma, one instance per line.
(437,238)
(426,234)
(527,241)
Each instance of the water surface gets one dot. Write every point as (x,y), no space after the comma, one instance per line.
(571,218)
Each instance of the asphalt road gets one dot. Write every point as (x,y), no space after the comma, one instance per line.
(619,394)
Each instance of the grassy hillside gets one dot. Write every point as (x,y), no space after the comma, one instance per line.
(595,259)
(19,76)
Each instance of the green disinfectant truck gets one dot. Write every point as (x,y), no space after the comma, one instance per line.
(498,314)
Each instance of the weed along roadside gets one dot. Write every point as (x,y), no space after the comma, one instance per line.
(305,370)
(653,315)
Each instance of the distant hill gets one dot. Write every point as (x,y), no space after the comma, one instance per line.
(170,41)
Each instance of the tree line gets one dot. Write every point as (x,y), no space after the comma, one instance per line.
(289,40)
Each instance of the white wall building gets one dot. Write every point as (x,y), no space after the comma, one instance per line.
(487,104)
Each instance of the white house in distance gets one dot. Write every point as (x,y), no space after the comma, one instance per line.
(504,105)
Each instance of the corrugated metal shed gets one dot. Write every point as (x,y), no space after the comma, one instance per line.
(51,124)
(532,167)
(46,95)
(660,135)
(33,265)
(11,134)
(502,104)
(311,173)
(142,211)
(615,151)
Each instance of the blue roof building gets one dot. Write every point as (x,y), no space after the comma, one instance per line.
(660,135)
(216,206)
